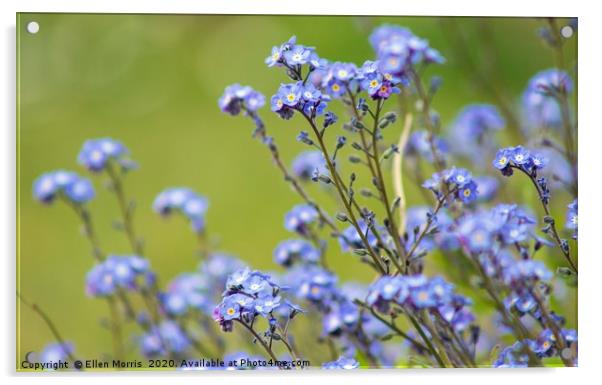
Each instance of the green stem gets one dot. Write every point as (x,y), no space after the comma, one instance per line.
(89,231)
(295,183)
(125,209)
(115,329)
(261,341)
(546,209)
(395,328)
(372,160)
(426,319)
(461,349)
(337,182)
(440,203)
(426,340)
(53,329)
(569,141)
(520,331)
(438,161)
(91,235)
(393,230)
(553,327)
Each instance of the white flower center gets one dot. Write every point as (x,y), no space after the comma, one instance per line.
(46,185)
(194,207)
(62,178)
(388,288)
(79,189)
(108,147)
(96,155)
(177,197)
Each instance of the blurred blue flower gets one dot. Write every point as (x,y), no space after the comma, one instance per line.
(96,153)
(525,273)
(420,292)
(539,101)
(76,189)
(295,250)
(237,98)
(397,50)
(299,218)
(163,339)
(487,187)
(473,132)
(342,363)
(572,217)
(115,272)
(56,352)
(456,180)
(192,205)
(312,283)
(419,144)
(80,191)
(308,164)
(216,269)
(187,291)
(515,356)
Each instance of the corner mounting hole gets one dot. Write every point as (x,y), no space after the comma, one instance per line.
(33,27)
(566,31)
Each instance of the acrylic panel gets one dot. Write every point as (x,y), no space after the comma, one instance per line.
(206,192)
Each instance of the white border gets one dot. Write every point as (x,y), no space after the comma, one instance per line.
(590,65)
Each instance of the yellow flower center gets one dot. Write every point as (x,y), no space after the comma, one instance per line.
(373,83)
(466,192)
(383,88)
(335,87)
(290,97)
(503,160)
(279,103)
(230,311)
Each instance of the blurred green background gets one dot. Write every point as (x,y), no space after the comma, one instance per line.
(152,81)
